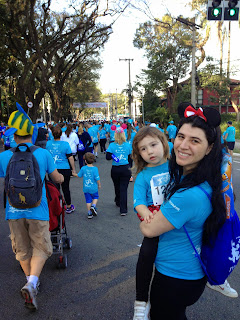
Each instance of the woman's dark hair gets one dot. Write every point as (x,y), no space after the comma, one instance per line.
(129,131)
(208,169)
(57,132)
(69,130)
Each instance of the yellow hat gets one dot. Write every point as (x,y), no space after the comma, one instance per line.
(21,123)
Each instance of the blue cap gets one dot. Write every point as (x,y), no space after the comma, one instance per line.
(171,121)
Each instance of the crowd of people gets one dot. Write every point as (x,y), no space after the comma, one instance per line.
(169,170)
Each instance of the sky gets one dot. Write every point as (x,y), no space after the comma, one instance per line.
(115,73)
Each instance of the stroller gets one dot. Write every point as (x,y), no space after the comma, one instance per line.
(57,226)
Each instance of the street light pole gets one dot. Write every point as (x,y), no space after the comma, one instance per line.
(129,86)
(193,26)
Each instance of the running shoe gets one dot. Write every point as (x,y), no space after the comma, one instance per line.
(94,210)
(71,209)
(90,216)
(131,179)
(29,294)
(123,213)
(224,289)
(141,310)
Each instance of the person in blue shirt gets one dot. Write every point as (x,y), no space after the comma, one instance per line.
(30,236)
(91,184)
(130,134)
(102,136)
(229,136)
(63,158)
(93,132)
(2,129)
(6,141)
(120,151)
(171,131)
(179,280)
(85,142)
(150,155)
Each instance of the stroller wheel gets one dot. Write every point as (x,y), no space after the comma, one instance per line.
(62,262)
(68,242)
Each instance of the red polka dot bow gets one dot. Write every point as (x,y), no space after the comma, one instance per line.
(190,111)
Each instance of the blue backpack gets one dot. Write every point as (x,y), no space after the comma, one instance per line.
(220,257)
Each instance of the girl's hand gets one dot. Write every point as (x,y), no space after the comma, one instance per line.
(149,217)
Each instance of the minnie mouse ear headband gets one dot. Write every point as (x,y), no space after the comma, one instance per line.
(209,115)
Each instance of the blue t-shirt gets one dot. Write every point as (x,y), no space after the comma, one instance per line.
(231,134)
(130,141)
(90,177)
(13,143)
(6,141)
(172,130)
(93,131)
(2,129)
(102,133)
(170,144)
(59,151)
(121,151)
(46,165)
(145,184)
(175,256)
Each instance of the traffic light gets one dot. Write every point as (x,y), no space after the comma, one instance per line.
(231,10)
(215,10)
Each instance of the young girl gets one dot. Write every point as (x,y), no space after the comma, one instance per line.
(150,154)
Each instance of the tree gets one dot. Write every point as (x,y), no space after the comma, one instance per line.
(168,55)
(48,46)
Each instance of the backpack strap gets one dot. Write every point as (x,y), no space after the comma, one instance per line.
(190,240)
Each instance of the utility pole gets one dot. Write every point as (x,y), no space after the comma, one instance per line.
(193,26)
(129,86)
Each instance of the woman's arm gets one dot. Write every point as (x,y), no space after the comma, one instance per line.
(158,226)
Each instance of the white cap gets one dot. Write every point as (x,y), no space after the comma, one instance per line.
(153,125)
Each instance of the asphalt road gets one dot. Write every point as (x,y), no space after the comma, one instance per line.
(99,282)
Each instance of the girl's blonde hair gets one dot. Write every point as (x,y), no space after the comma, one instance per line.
(139,163)
(120,137)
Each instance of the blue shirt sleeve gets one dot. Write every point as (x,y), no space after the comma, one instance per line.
(140,191)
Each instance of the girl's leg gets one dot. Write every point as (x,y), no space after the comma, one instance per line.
(80,159)
(170,297)
(144,269)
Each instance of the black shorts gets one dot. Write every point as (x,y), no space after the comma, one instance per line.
(231,145)
(95,144)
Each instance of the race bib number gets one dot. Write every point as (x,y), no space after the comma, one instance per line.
(158,183)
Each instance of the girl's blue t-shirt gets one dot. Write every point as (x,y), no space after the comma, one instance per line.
(121,151)
(13,143)
(90,177)
(148,181)
(59,151)
(175,256)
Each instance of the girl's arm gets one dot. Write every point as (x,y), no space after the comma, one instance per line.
(144,212)
(158,226)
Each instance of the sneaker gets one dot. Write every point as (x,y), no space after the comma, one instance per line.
(141,310)
(224,289)
(38,287)
(131,179)
(90,216)
(29,294)
(123,213)
(94,210)
(71,209)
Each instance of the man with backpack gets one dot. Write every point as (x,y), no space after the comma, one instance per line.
(24,169)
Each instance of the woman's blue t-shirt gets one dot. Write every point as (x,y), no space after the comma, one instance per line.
(102,134)
(59,151)
(121,151)
(175,256)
